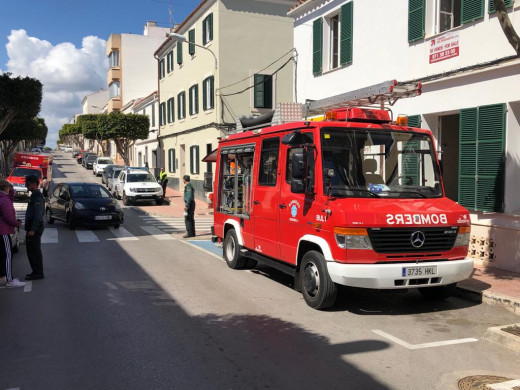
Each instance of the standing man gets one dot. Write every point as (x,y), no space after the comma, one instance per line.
(163,178)
(34,228)
(189,207)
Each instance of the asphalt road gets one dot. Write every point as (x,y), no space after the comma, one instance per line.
(143,310)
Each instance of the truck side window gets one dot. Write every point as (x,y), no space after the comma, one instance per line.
(269,162)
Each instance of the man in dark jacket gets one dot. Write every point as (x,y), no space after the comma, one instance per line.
(189,207)
(34,228)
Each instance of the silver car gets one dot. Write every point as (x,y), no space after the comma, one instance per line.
(111,180)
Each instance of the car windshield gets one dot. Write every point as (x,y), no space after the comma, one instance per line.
(91,157)
(22,172)
(140,177)
(375,163)
(88,191)
(115,172)
(105,161)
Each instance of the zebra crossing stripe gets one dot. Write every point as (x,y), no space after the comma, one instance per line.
(157,233)
(86,236)
(50,236)
(123,235)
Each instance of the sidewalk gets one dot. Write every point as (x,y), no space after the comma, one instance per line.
(486,284)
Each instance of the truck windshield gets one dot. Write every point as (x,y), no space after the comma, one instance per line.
(378,163)
(22,172)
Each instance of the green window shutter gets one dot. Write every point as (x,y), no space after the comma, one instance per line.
(414,121)
(317,44)
(205,94)
(210,22)
(263,91)
(347,27)
(490,157)
(415,20)
(191,39)
(179,53)
(509,3)
(471,10)
(196,91)
(468,130)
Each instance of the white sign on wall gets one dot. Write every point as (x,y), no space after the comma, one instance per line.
(444,47)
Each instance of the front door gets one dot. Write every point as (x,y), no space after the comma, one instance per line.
(266,199)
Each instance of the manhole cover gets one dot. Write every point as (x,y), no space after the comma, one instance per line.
(479,382)
(514,330)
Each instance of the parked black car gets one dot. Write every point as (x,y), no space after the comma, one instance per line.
(89,160)
(106,173)
(83,204)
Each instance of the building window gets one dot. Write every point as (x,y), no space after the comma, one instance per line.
(171,160)
(161,69)
(449,14)
(194,99)
(191,40)
(207,29)
(317,46)
(181,105)
(162,114)
(179,53)
(263,91)
(169,61)
(269,162)
(113,59)
(114,89)
(209,165)
(194,160)
(334,41)
(153,114)
(208,98)
(171,110)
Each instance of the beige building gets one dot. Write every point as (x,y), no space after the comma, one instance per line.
(237,59)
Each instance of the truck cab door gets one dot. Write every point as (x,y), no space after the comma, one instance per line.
(266,199)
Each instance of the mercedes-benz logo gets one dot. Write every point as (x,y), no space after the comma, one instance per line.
(417,239)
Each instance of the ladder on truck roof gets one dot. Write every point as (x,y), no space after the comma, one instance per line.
(387,92)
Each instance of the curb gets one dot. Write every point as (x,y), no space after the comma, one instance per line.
(508,340)
(489,298)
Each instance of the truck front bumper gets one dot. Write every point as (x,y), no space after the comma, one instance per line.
(390,276)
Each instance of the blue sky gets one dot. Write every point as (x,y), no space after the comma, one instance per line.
(37,37)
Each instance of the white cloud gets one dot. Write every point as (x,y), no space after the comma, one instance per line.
(67,73)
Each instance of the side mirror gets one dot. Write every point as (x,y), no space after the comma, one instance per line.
(298,165)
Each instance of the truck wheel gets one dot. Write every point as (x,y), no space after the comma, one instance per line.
(126,201)
(438,293)
(318,290)
(50,219)
(232,251)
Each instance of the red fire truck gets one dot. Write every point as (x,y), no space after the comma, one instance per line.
(29,163)
(347,196)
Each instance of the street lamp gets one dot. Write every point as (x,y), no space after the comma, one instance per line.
(181,38)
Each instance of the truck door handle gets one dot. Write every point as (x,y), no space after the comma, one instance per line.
(256,202)
(282,205)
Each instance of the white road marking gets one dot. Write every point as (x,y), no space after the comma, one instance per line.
(425,345)
(157,233)
(509,385)
(86,236)
(123,235)
(50,236)
(28,286)
(110,285)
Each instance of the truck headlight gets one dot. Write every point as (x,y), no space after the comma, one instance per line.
(352,238)
(463,236)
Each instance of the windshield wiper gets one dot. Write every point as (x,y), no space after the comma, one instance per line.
(409,191)
(364,190)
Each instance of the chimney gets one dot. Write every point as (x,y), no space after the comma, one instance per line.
(149,25)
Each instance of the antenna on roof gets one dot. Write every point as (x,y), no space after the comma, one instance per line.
(170,13)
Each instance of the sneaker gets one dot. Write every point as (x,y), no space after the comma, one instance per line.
(3,281)
(14,283)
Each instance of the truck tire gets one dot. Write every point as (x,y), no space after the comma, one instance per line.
(438,293)
(318,290)
(231,251)
(50,219)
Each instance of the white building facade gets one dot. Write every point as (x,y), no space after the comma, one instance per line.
(145,151)
(470,93)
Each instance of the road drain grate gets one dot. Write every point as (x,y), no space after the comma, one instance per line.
(514,330)
(480,382)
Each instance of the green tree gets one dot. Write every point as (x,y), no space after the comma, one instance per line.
(70,134)
(91,130)
(19,98)
(29,131)
(506,25)
(124,130)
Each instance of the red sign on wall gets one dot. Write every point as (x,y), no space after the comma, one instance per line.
(444,47)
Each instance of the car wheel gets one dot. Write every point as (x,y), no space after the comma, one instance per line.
(318,290)
(48,214)
(70,222)
(231,251)
(117,226)
(126,201)
(159,202)
(438,293)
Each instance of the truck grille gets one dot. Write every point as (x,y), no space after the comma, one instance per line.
(398,240)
